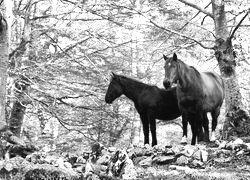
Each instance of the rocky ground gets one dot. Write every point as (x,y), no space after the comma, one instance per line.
(219,160)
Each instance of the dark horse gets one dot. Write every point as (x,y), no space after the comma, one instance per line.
(197,94)
(150,102)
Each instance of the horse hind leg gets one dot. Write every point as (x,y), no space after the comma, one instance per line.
(145,126)
(153,131)
(205,124)
(215,114)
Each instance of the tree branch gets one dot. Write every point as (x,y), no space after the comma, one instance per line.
(182,35)
(238,25)
(197,7)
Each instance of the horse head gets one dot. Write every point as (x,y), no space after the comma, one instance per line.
(170,71)
(114,90)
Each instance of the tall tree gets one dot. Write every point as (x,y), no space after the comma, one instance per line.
(4,53)
(237,120)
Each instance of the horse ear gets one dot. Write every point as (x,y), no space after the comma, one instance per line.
(165,57)
(174,57)
(113,74)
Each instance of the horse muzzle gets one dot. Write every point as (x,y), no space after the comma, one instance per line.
(108,100)
(166,84)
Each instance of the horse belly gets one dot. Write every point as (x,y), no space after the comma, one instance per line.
(188,104)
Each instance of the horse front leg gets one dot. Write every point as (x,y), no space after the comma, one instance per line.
(145,126)
(199,126)
(194,132)
(152,123)
(184,128)
(192,119)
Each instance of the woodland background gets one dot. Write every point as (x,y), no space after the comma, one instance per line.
(62,52)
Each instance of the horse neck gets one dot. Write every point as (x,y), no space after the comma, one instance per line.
(190,80)
(132,88)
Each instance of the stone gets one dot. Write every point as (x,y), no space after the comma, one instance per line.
(146,162)
(168,152)
(81,160)
(147,146)
(222,144)
(238,141)
(197,155)
(177,149)
(204,155)
(189,150)
(197,163)
(129,171)
(60,162)
(112,149)
(67,165)
(121,166)
(104,159)
(182,160)
(8,166)
(164,159)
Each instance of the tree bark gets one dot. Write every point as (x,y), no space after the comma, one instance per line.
(21,82)
(4,54)
(236,119)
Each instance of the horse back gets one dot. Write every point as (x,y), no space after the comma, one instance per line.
(163,103)
(213,86)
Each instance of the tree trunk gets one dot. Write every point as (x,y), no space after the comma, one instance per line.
(236,121)
(4,54)
(21,82)
(19,106)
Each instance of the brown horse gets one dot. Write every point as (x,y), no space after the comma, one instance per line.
(197,94)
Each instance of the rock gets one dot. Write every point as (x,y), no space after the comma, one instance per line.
(137,152)
(222,145)
(50,159)
(168,152)
(222,159)
(177,149)
(59,162)
(158,148)
(104,159)
(204,155)
(46,171)
(8,166)
(146,162)
(121,166)
(238,141)
(164,159)
(112,149)
(81,160)
(180,168)
(197,163)
(147,146)
(182,160)
(96,149)
(241,152)
(189,150)
(67,165)
(129,171)
(197,155)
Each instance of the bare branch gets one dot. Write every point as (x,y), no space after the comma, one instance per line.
(177,33)
(197,7)
(238,25)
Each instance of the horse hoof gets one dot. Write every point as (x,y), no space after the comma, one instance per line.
(213,138)
(184,140)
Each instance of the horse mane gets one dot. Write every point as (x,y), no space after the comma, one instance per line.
(194,75)
(122,77)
